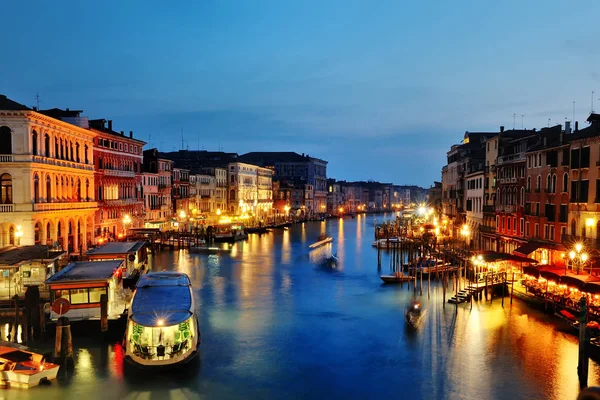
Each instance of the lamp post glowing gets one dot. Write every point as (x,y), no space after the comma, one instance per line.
(126,221)
(18,235)
(287,210)
(578,258)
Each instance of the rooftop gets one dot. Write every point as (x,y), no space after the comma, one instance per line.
(272,157)
(13,255)
(86,271)
(116,248)
(162,295)
(8,104)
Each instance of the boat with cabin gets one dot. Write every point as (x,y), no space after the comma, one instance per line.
(321,240)
(229,232)
(397,277)
(162,325)
(83,283)
(24,369)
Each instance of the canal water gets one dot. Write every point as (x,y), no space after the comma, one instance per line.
(277,323)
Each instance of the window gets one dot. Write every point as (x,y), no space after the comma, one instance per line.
(539,183)
(575,158)
(564,211)
(553,190)
(528,183)
(537,230)
(565,182)
(95,294)
(47,145)
(522,226)
(36,188)
(540,160)
(527,228)
(34,143)
(48,189)
(79,296)
(508,224)
(552,232)
(546,231)
(548,183)
(5,140)
(585,157)
(584,186)
(5,189)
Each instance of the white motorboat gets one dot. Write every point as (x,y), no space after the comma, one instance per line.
(24,369)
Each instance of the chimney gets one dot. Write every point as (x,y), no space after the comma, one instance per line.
(576,126)
(501,128)
(122,133)
(131,134)
(110,124)
(567,127)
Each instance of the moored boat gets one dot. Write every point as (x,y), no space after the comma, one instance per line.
(24,369)
(162,325)
(322,239)
(209,249)
(396,278)
(229,233)
(414,314)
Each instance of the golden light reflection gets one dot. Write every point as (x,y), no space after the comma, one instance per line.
(286,249)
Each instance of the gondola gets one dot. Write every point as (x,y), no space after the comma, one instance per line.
(414,314)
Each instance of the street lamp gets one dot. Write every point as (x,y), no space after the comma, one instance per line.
(18,235)
(287,210)
(126,221)
(578,258)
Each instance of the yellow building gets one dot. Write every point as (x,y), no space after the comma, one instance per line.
(46,180)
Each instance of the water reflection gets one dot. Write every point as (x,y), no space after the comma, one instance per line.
(276,324)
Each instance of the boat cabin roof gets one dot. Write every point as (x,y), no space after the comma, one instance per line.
(84,271)
(162,296)
(116,248)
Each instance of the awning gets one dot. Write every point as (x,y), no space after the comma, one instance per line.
(527,248)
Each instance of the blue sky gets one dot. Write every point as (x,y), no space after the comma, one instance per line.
(379,89)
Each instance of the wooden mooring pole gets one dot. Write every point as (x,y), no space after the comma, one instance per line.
(103,312)
(63,345)
(512,287)
(583,362)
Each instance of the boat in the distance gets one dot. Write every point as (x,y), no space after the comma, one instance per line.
(414,314)
(397,277)
(162,325)
(24,369)
(209,249)
(230,233)
(321,240)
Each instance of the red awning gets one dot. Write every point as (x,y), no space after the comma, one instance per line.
(527,249)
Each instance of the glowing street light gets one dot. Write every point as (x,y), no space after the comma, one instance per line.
(126,221)
(19,234)
(578,258)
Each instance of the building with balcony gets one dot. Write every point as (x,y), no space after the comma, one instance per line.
(163,169)
(118,180)
(584,186)
(181,190)
(203,192)
(474,203)
(152,205)
(250,190)
(510,193)
(305,172)
(546,196)
(487,230)
(46,179)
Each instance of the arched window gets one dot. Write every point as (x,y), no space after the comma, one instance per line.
(528,183)
(77,158)
(573,227)
(34,143)
(48,189)
(56,148)
(5,140)
(85,153)
(6,189)
(554,183)
(522,196)
(37,233)
(48,233)
(540,160)
(87,190)
(78,189)
(59,230)
(539,183)
(100,163)
(548,183)
(565,187)
(47,145)
(232,193)
(36,188)
(62,149)
(72,158)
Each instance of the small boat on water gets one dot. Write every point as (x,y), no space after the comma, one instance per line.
(322,239)
(229,233)
(398,277)
(209,249)
(414,314)
(259,230)
(162,325)
(24,369)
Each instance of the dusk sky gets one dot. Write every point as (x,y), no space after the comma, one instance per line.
(379,89)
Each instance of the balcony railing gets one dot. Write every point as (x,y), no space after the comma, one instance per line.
(116,172)
(64,206)
(7,208)
(506,208)
(6,158)
(588,243)
(511,157)
(54,161)
(121,202)
(489,209)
